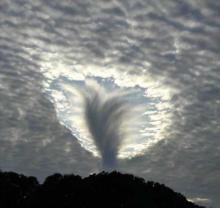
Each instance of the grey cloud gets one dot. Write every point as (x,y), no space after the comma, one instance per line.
(105,115)
(32,140)
(180,40)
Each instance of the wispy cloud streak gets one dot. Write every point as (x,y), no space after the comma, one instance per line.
(107,117)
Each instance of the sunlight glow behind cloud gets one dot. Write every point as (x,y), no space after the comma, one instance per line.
(166,51)
(150,93)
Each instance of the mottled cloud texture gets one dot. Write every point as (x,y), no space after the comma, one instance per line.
(166,50)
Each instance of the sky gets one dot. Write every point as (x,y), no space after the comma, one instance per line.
(163,57)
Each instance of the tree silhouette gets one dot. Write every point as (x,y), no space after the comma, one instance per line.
(107,190)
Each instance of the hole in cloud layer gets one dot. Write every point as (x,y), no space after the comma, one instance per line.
(147,100)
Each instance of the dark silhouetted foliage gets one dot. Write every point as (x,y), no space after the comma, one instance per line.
(15,189)
(103,190)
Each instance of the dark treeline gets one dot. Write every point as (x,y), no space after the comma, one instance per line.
(103,190)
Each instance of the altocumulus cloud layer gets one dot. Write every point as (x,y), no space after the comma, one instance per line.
(169,50)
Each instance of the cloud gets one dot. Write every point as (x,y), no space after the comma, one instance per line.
(32,140)
(109,119)
(198,200)
(168,49)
